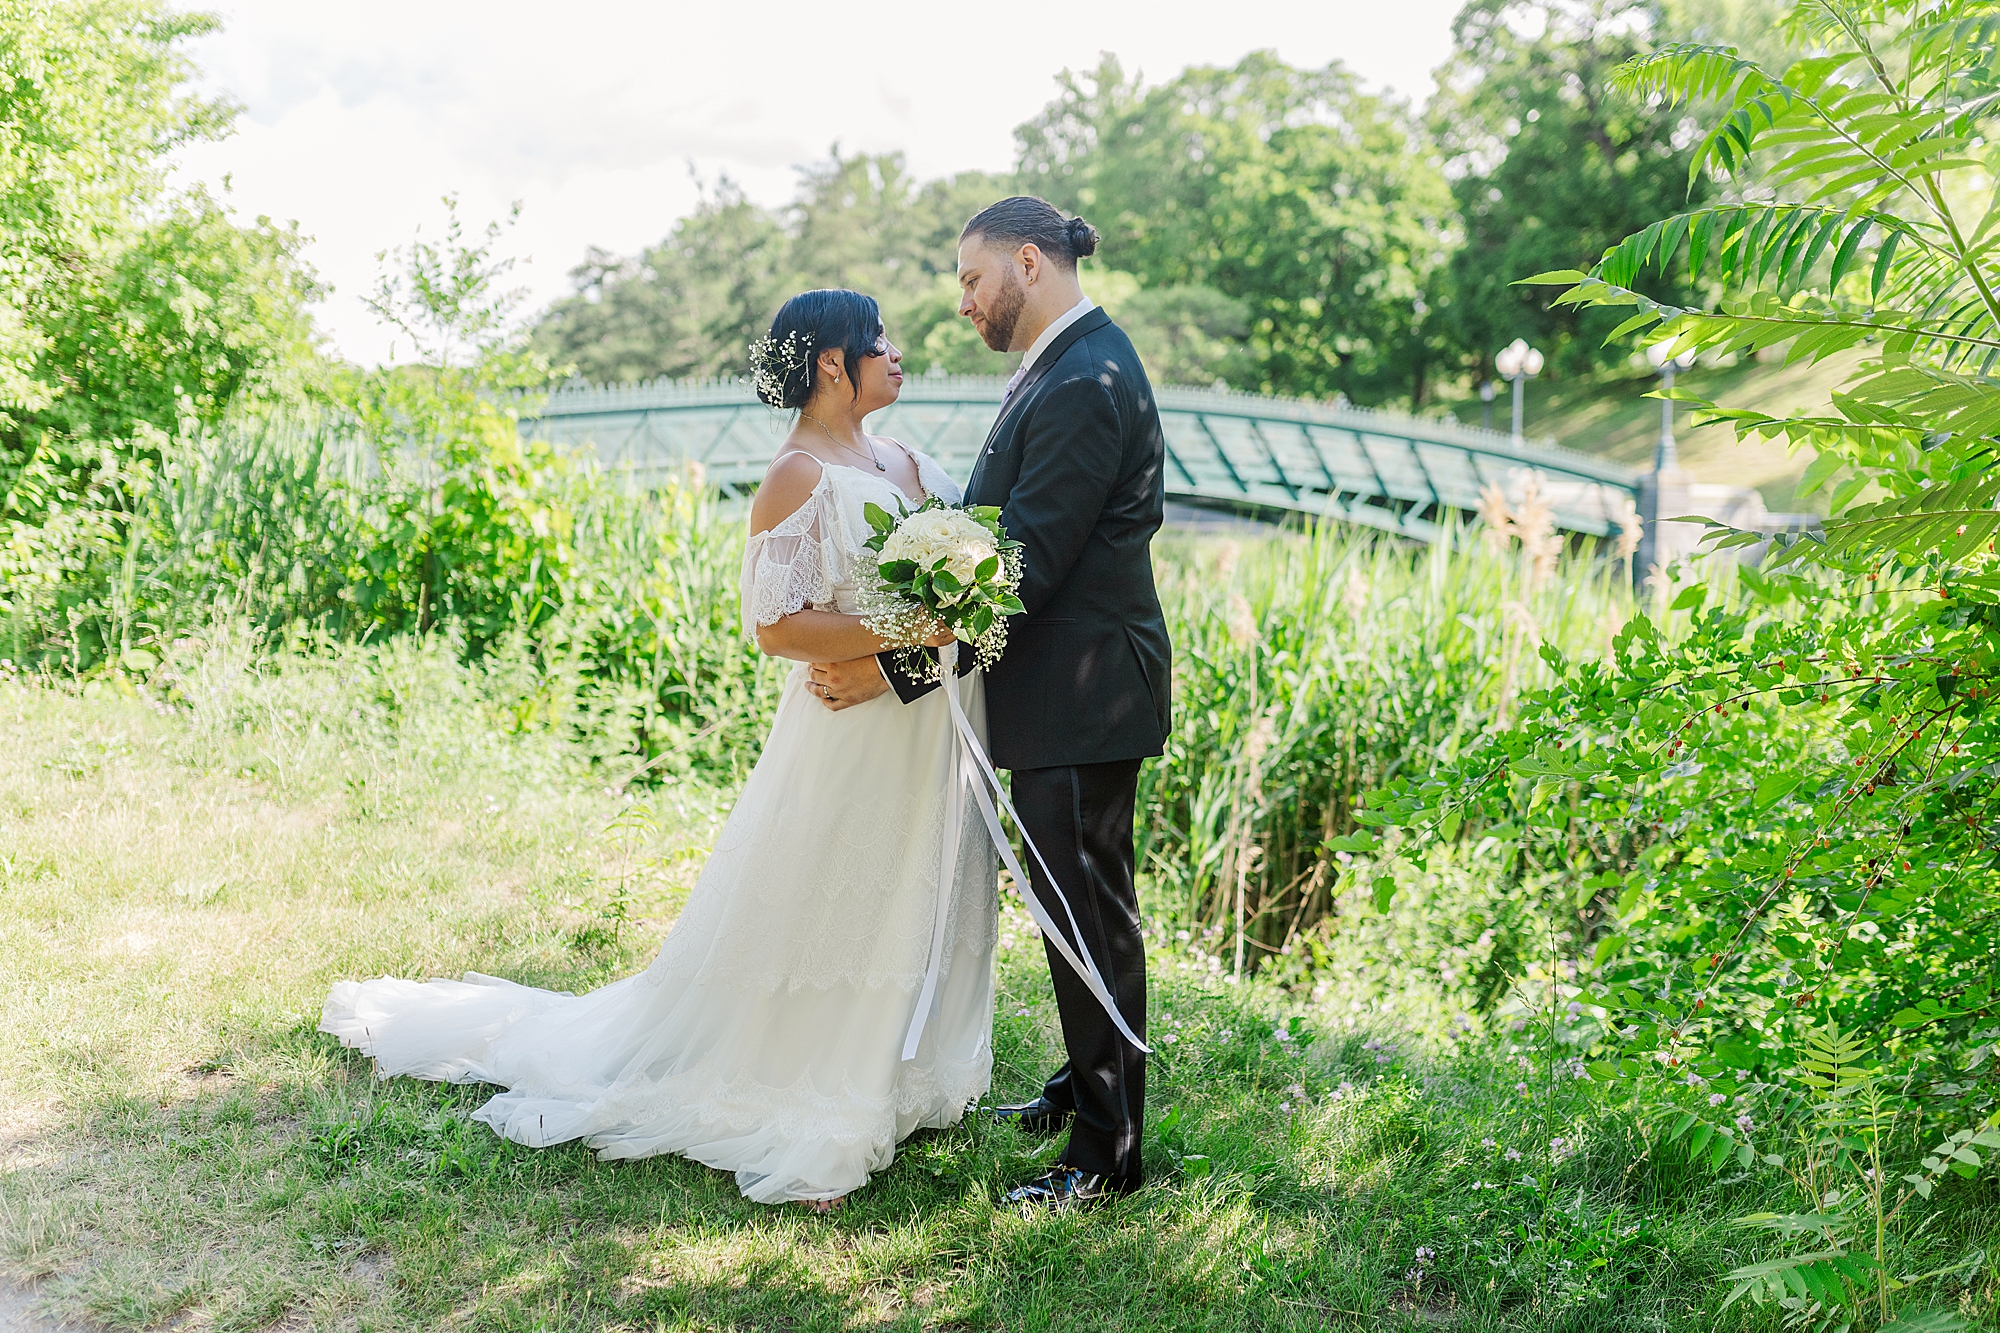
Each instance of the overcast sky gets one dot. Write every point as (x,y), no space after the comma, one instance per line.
(598,115)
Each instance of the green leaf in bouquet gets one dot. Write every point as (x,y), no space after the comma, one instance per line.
(988,567)
(945,581)
(989,514)
(1011,604)
(898,571)
(982,620)
(878,518)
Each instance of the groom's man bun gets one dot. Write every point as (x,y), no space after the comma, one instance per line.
(1027,220)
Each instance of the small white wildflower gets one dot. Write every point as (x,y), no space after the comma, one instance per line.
(1717,1098)
(1513,1154)
(1281,1034)
(1744,1123)
(1521,1088)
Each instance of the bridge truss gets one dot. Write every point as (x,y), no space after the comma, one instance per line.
(1244,452)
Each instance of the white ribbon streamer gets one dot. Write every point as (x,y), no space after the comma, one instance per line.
(970,766)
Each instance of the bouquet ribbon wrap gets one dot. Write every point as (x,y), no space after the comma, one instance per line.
(970,768)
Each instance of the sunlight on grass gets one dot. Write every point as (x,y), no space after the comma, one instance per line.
(183,885)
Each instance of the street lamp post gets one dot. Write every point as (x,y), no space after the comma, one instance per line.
(1665,493)
(1486,395)
(1666,455)
(1518,362)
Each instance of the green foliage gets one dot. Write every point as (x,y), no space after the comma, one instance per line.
(196,313)
(1548,166)
(1191,335)
(691,305)
(1313,203)
(1312,669)
(1775,797)
(122,305)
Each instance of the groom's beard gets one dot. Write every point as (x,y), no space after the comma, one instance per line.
(1005,314)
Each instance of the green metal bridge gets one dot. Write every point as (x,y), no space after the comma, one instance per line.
(1225,450)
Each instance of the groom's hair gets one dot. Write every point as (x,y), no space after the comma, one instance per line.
(1027,220)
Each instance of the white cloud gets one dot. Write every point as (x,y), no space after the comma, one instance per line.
(598,115)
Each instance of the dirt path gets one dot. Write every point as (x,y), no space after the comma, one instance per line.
(17,1314)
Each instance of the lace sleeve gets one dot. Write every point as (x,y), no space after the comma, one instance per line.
(789,567)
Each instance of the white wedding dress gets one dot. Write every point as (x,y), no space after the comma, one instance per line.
(766,1036)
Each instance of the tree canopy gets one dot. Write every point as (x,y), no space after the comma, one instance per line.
(123,304)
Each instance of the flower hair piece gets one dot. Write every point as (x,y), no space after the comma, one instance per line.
(772,364)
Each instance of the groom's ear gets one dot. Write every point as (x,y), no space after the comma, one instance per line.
(1031,260)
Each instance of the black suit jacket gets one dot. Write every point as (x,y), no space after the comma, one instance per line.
(1076,463)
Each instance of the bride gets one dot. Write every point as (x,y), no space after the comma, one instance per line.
(766,1036)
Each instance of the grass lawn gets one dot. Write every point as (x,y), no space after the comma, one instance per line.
(1613,419)
(182,1149)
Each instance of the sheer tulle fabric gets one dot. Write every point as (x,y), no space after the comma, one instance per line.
(764,1038)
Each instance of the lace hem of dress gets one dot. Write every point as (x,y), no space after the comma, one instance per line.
(721,1107)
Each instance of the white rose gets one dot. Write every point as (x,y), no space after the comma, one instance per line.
(965,560)
(921,537)
(939,534)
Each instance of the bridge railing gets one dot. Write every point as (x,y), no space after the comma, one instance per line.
(1241,450)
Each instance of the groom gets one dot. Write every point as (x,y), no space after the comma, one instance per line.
(1075,462)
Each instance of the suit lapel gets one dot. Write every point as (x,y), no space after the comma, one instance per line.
(1090,323)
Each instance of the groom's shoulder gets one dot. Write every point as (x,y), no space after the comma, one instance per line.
(1105,354)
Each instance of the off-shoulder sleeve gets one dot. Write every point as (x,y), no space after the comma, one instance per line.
(791,566)
(936,481)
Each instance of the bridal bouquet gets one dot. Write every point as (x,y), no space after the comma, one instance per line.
(942,566)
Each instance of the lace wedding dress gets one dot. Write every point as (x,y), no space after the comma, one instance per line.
(765,1037)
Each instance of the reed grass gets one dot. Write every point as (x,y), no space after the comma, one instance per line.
(1310,668)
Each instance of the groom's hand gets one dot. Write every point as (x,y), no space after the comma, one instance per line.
(840,685)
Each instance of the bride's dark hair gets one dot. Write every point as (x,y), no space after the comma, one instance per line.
(784,364)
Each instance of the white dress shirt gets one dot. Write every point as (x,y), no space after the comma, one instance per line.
(1047,336)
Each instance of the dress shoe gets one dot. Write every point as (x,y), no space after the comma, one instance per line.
(1065,1189)
(1040,1116)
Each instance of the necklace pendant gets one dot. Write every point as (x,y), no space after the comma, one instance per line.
(881,466)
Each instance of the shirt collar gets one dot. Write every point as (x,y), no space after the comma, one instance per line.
(1054,331)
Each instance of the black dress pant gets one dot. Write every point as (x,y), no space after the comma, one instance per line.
(1080,816)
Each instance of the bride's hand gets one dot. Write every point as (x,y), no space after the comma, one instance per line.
(939,639)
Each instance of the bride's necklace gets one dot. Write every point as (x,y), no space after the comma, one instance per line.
(880,466)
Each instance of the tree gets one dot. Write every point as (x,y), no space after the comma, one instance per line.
(1548,166)
(195,313)
(122,305)
(688,306)
(1313,203)
(692,304)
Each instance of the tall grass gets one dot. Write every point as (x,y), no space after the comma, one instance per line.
(1312,667)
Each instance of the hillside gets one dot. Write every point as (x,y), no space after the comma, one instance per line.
(1612,419)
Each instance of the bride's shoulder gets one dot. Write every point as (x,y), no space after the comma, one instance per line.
(788,485)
